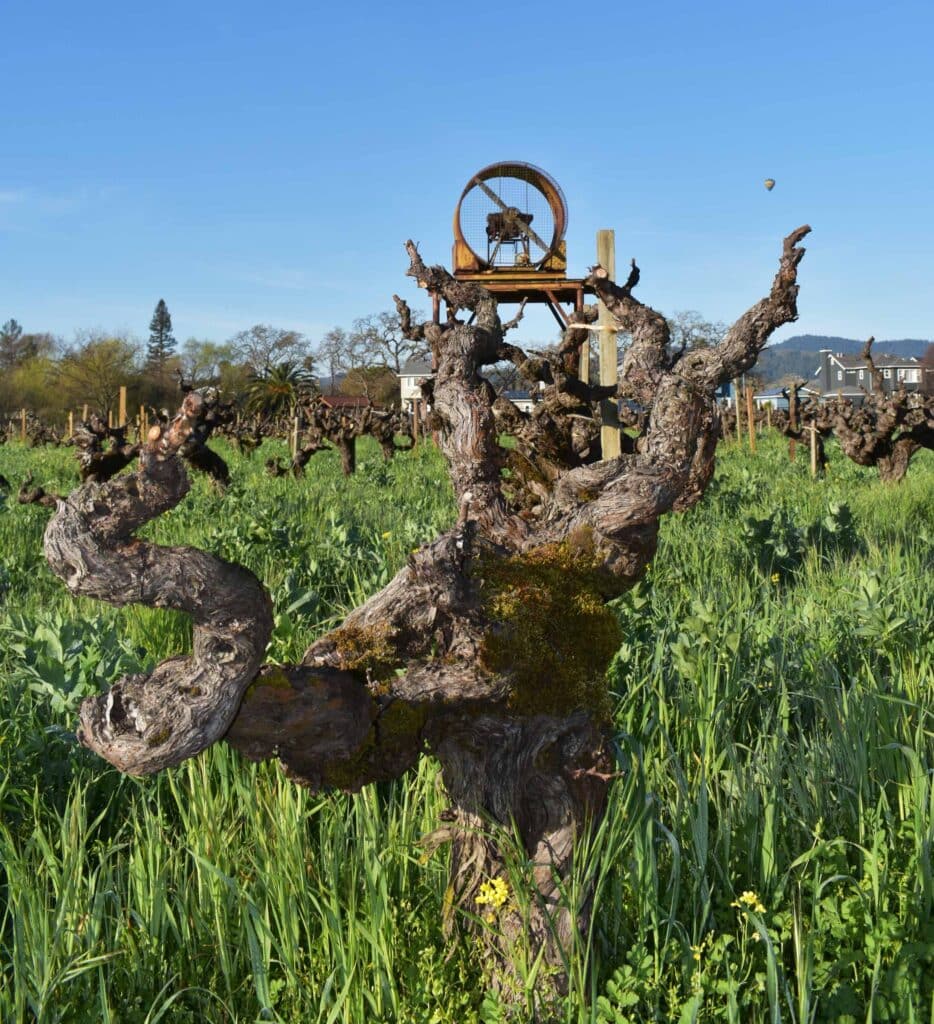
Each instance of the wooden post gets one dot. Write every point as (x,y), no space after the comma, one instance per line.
(751,421)
(813,451)
(609,410)
(294,445)
(110,418)
(122,412)
(414,422)
(768,415)
(583,366)
(739,415)
(793,424)
(71,422)
(84,413)
(22,424)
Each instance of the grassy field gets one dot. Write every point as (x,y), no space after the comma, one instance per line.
(767,851)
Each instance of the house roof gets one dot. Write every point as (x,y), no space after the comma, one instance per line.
(417,368)
(517,396)
(881,359)
(345,401)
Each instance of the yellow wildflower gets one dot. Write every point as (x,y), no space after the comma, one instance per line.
(775,577)
(749,901)
(493,893)
(387,535)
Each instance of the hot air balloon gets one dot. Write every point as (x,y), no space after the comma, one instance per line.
(770,183)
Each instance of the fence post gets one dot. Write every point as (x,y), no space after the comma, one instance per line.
(739,415)
(609,411)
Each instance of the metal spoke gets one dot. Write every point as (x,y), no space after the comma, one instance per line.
(527,228)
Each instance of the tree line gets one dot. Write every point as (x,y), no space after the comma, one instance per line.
(46,375)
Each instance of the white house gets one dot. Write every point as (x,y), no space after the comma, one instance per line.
(522,400)
(410,378)
(850,376)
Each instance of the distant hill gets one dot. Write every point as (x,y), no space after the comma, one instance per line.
(815,342)
(799,356)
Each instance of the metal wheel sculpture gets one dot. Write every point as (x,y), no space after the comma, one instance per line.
(511,215)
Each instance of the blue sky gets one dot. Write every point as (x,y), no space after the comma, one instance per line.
(264,163)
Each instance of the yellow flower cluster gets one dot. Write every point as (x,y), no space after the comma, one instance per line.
(749,901)
(775,577)
(493,894)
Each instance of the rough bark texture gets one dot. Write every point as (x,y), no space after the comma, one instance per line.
(488,649)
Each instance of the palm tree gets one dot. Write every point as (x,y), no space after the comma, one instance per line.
(276,392)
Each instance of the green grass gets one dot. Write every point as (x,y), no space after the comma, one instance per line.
(775,735)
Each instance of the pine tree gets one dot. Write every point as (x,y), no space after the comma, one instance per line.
(11,346)
(161,342)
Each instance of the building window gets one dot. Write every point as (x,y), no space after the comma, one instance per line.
(839,374)
(860,374)
(900,374)
(887,374)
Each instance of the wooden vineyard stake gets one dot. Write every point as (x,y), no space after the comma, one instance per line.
(792,422)
(294,437)
(739,415)
(814,451)
(609,411)
(768,415)
(22,424)
(71,422)
(84,413)
(751,420)
(122,409)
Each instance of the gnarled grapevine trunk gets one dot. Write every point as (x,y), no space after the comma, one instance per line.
(884,431)
(487,650)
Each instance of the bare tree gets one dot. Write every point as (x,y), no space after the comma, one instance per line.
(488,649)
(95,367)
(384,343)
(263,347)
(690,330)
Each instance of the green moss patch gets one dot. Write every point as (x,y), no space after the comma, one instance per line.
(552,631)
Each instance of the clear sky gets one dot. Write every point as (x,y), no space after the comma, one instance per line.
(265,162)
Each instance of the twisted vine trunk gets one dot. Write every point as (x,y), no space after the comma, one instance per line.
(488,649)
